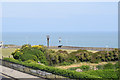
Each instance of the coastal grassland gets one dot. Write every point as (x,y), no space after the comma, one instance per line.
(84,63)
(60,61)
(68,50)
(92,51)
(7,51)
(72,50)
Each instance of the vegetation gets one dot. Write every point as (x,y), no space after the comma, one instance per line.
(7,51)
(109,66)
(28,52)
(92,74)
(110,74)
(54,70)
(83,68)
(29,56)
(85,56)
(98,67)
(61,57)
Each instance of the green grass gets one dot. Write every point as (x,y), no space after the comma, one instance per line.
(68,50)
(7,51)
(106,73)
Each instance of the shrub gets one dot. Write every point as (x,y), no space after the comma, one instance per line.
(30,61)
(108,66)
(28,52)
(45,56)
(26,57)
(73,68)
(99,66)
(117,65)
(65,63)
(85,67)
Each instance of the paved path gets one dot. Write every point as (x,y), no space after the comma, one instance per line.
(5,77)
(18,75)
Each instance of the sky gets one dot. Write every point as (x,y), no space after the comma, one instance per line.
(59,16)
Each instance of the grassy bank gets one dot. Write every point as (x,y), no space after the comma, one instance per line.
(7,51)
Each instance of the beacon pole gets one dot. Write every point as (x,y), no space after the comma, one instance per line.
(48,37)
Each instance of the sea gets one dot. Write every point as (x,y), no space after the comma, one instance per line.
(77,39)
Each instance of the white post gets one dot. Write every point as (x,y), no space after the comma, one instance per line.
(59,40)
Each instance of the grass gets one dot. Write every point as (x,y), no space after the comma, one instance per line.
(92,51)
(68,50)
(7,51)
(83,63)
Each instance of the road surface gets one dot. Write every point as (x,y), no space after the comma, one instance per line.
(17,75)
(5,77)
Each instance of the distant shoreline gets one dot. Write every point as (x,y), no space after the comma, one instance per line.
(66,47)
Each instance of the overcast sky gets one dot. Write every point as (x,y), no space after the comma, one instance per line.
(59,17)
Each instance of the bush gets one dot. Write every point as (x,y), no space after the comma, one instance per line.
(30,61)
(80,56)
(28,52)
(65,63)
(45,56)
(117,65)
(99,66)
(26,57)
(108,66)
(73,68)
(85,67)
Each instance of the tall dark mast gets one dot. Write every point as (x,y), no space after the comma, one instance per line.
(48,37)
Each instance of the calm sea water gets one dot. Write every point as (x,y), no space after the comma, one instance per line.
(81,39)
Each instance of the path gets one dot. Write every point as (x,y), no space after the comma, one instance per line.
(19,75)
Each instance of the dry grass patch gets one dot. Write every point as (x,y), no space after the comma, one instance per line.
(7,51)
(92,51)
(69,51)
